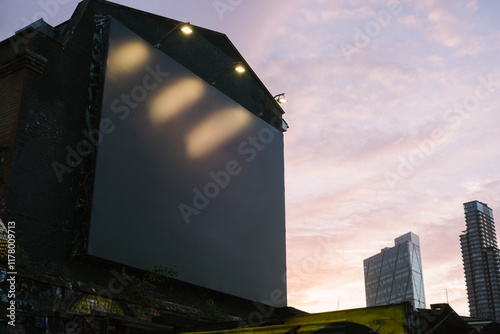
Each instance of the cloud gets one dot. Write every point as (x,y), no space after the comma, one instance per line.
(477,45)
(441,15)
(336,14)
(410,21)
(437,60)
(472,5)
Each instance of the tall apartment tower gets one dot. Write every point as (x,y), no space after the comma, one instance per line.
(481,261)
(395,274)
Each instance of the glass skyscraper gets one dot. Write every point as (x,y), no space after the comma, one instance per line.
(395,274)
(481,261)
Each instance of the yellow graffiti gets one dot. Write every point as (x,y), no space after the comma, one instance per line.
(89,303)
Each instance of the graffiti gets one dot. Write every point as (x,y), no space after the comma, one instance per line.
(89,303)
(144,313)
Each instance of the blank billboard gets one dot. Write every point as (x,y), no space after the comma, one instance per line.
(186,177)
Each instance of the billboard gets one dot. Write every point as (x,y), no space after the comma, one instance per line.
(186,177)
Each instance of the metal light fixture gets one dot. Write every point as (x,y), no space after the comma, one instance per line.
(238,67)
(186,29)
(281,98)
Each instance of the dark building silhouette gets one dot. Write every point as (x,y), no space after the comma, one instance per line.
(125,146)
(481,261)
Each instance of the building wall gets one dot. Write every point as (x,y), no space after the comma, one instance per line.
(11,85)
(49,117)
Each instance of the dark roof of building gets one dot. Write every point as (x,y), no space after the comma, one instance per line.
(207,53)
(441,318)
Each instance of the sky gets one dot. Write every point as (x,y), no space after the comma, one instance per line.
(394,108)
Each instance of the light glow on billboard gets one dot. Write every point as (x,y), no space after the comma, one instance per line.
(215,130)
(128,58)
(175,99)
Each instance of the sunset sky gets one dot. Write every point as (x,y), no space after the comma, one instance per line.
(394,115)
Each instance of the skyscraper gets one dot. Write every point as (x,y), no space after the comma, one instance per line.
(481,261)
(395,274)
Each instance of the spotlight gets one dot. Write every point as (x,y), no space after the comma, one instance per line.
(281,98)
(186,29)
(238,67)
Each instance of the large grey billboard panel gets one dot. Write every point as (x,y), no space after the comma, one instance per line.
(186,177)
